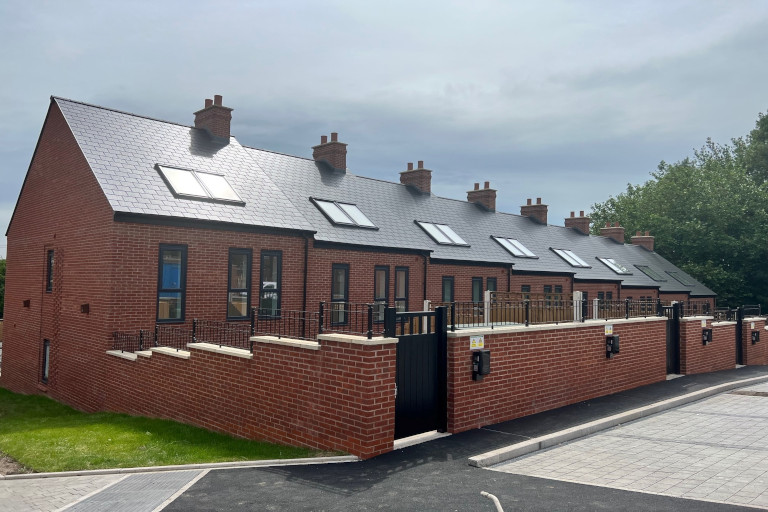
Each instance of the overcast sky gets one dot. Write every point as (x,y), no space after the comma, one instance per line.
(568,101)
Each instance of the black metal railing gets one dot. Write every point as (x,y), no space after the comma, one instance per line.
(227,334)
(284,323)
(127,342)
(173,336)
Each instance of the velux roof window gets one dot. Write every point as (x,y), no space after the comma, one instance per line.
(682,278)
(343,213)
(515,247)
(571,258)
(645,269)
(442,233)
(198,185)
(615,266)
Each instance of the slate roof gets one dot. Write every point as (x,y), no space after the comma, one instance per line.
(122,150)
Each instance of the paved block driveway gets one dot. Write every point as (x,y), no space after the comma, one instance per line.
(715,449)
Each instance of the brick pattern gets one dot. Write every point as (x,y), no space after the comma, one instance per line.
(756,354)
(695,357)
(334,152)
(341,397)
(420,179)
(538,370)
(216,119)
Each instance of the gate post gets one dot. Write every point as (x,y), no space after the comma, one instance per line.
(390,322)
(739,334)
(441,330)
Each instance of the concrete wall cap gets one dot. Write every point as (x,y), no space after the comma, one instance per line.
(286,342)
(125,355)
(168,351)
(356,340)
(228,351)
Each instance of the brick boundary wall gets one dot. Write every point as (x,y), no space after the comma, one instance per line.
(695,357)
(338,394)
(756,354)
(539,368)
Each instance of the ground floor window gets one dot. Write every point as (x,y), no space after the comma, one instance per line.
(490,284)
(239,284)
(380,292)
(271,286)
(447,288)
(171,283)
(46,360)
(401,289)
(477,289)
(339,293)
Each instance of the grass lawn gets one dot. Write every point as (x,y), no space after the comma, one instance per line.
(44,435)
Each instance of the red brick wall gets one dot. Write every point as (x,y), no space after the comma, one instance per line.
(695,357)
(341,397)
(757,353)
(462,280)
(361,268)
(636,293)
(538,369)
(593,288)
(61,207)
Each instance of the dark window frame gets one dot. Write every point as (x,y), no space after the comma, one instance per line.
(45,372)
(488,281)
(525,291)
(345,319)
(378,313)
(50,259)
(448,279)
(248,269)
(475,281)
(182,282)
(407,276)
(278,290)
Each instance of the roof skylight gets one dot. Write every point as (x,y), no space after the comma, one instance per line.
(442,233)
(615,266)
(198,185)
(343,213)
(515,247)
(645,269)
(570,257)
(682,278)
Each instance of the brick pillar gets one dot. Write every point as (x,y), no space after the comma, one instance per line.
(214,118)
(536,211)
(333,152)
(419,178)
(486,197)
(580,223)
(616,232)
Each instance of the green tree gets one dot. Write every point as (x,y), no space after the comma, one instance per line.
(708,213)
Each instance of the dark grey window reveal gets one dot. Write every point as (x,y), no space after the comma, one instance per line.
(380,292)
(345,214)
(46,361)
(189,184)
(339,293)
(171,283)
(548,293)
(271,284)
(442,233)
(490,284)
(447,288)
(239,284)
(50,257)
(477,289)
(571,258)
(401,289)
(650,272)
(526,291)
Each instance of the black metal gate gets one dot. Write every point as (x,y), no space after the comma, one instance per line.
(739,334)
(673,337)
(422,368)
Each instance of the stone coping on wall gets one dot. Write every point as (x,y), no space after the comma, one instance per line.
(227,351)
(286,342)
(168,351)
(356,340)
(125,355)
(696,318)
(727,322)
(503,329)
(754,319)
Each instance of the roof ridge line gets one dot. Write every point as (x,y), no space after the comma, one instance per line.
(132,114)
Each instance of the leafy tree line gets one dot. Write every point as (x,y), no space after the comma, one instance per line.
(709,214)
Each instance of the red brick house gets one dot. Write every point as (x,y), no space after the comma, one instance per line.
(124,222)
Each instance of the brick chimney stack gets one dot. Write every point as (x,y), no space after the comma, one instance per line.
(580,223)
(536,211)
(214,118)
(643,240)
(419,178)
(616,232)
(334,153)
(485,197)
